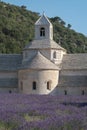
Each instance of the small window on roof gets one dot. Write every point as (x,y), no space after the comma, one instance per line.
(42,32)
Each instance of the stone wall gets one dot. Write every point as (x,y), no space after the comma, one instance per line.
(41,77)
(72,82)
(9,90)
(73,72)
(59,56)
(48,32)
(8,82)
(73,78)
(29,54)
(7,74)
(74,91)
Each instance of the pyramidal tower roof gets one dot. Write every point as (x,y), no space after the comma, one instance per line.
(43,20)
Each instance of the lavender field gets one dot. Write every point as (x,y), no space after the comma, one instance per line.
(35,112)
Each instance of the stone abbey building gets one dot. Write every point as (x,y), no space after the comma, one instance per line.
(44,67)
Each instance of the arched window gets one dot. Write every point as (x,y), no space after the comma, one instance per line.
(42,32)
(34,85)
(49,85)
(54,54)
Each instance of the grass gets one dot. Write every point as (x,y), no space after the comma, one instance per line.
(31,118)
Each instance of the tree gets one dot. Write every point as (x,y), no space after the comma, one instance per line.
(69,26)
(23,7)
(62,23)
(56,19)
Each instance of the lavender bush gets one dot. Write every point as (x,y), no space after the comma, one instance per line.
(42,112)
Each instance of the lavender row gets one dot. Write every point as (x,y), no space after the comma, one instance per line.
(42,112)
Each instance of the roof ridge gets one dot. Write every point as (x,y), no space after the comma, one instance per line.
(43,20)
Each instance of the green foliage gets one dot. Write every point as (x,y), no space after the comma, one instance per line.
(7,125)
(16,27)
(17,30)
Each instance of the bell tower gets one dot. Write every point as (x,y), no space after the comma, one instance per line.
(44,43)
(43,28)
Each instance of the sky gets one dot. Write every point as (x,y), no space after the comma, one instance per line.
(73,12)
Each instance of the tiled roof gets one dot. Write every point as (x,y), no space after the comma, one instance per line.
(74,61)
(10,62)
(39,62)
(72,81)
(43,44)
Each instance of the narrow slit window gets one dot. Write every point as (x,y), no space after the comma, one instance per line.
(21,86)
(34,85)
(54,54)
(49,85)
(42,32)
(83,92)
(65,92)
